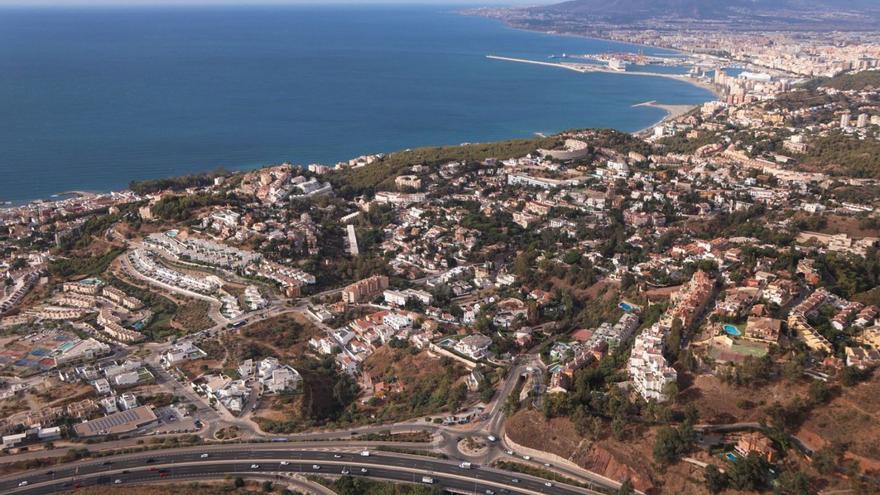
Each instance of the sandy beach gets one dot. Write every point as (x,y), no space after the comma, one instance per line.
(672,112)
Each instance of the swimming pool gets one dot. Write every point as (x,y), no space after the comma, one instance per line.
(731,330)
(624,306)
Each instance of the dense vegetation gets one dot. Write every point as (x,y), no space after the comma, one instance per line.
(81,236)
(181,208)
(87,266)
(845,154)
(848,82)
(353,182)
(176,183)
(680,143)
(318,406)
(347,485)
(847,275)
(435,393)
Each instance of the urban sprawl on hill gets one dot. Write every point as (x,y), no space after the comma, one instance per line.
(691,309)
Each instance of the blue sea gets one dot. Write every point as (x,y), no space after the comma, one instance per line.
(92,98)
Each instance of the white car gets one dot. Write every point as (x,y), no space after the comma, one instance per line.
(509,452)
(364,470)
(365,453)
(514,480)
(255,466)
(548,484)
(204,456)
(527,457)
(23,483)
(345,470)
(117,482)
(337,456)
(316,467)
(284,463)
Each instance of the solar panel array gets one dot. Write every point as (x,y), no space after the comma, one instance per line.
(118,422)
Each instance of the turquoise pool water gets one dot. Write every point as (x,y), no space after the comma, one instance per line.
(731,330)
(626,307)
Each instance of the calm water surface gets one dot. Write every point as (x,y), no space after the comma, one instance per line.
(92,98)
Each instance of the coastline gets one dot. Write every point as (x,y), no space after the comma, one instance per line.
(587,68)
(476,13)
(641,118)
(672,112)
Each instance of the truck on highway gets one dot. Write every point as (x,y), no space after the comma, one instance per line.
(427,479)
(465,465)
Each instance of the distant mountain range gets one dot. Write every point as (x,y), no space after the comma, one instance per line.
(723,10)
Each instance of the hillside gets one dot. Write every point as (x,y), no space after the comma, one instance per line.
(859,81)
(638,10)
(838,153)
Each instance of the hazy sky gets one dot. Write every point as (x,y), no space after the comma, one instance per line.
(265,2)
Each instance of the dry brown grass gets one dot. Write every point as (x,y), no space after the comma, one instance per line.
(53,392)
(287,335)
(853,418)
(612,459)
(405,367)
(850,226)
(718,402)
(192,316)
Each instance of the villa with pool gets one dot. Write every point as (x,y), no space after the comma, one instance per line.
(733,343)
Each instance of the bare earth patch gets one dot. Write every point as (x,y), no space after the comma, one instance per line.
(720,403)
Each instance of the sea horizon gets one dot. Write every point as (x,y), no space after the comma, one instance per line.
(110,101)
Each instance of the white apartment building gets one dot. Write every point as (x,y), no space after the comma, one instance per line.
(648,368)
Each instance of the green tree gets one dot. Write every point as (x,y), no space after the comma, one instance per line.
(819,392)
(348,485)
(672,344)
(794,483)
(749,473)
(618,428)
(827,459)
(716,481)
(667,446)
(852,375)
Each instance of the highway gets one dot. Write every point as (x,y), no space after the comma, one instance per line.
(445,438)
(164,465)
